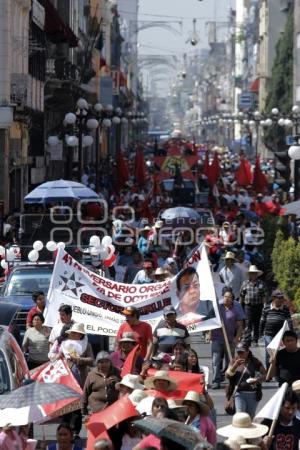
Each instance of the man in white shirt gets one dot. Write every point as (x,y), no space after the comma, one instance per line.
(65,318)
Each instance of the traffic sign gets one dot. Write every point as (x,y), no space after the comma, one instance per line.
(245,100)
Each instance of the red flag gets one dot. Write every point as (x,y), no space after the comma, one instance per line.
(214,171)
(243,175)
(155,188)
(58,372)
(185,381)
(120,410)
(260,181)
(130,361)
(122,171)
(139,167)
(206,164)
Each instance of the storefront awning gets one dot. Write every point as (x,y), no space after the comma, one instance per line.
(254,86)
(56,30)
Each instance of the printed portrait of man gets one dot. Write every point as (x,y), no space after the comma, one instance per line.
(191,308)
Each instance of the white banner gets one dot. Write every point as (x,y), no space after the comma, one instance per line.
(276,343)
(97,302)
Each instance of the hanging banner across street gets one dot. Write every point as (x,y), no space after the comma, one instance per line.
(98,302)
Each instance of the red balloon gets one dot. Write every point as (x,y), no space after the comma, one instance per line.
(110,261)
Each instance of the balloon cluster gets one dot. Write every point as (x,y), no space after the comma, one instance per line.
(104,249)
(51,246)
(9,255)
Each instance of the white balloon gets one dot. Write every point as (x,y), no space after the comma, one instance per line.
(2,251)
(33,256)
(38,246)
(103,254)
(4,264)
(107,240)
(95,241)
(61,245)
(94,251)
(10,256)
(51,246)
(111,248)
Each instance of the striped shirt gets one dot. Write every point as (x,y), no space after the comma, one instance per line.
(272,319)
(166,337)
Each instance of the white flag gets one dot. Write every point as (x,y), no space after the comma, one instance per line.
(276,342)
(272,407)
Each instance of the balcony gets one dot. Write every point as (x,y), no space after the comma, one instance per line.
(61,69)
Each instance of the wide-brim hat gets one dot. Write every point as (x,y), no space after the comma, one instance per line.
(242,425)
(159,224)
(254,269)
(76,328)
(160,271)
(229,255)
(296,386)
(130,381)
(193,396)
(161,375)
(137,395)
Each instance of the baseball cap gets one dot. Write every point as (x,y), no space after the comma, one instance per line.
(242,347)
(169,310)
(278,293)
(130,311)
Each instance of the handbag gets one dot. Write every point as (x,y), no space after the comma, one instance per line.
(229,405)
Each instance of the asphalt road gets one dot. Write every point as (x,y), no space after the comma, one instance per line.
(204,352)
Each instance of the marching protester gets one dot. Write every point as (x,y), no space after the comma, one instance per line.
(253,296)
(140,329)
(245,374)
(231,275)
(36,341)
(285,365)
(272,319)
(146,274)
(65,322)
(126,344)
(232,325)
(64,439)
(198,416)
(168,332)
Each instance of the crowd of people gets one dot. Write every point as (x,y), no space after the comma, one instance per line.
(251,307)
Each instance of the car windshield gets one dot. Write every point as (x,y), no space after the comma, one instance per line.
(26,281)
(4,375)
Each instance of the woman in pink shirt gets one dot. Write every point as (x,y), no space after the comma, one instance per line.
(9,439)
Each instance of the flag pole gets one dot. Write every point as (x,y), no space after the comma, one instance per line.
(230,356)
(271,367)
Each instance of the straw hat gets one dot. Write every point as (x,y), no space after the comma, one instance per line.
(229,255)
(130,381)
(77,328)
(296,386)
(242,425)
(161,375)
(193,396)
(160,271)
(254,269)
(128,337)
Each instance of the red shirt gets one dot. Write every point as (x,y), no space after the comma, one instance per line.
(142,331)
(31,313)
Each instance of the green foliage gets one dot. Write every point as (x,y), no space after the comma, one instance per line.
(270,225)
(280,93)
(286,266)
(280,89)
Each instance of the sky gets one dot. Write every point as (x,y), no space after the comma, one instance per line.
(160,41)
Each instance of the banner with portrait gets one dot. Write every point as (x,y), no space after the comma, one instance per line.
(98,302)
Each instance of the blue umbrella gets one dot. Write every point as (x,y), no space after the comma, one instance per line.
(60,191)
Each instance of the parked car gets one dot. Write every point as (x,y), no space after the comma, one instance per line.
(13,366)
(22,282)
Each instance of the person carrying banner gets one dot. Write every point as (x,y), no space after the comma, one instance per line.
(272,319)
(286,365)
(65,321)
(233,327)
(168,332)
(126,344)
(141,330)
(286,433)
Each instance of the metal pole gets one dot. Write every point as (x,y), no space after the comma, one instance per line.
(97,158)
(80,159)
(297,179)
(257,137)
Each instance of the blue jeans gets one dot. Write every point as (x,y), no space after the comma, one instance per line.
(246,402)
(267,340)
(219,352)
